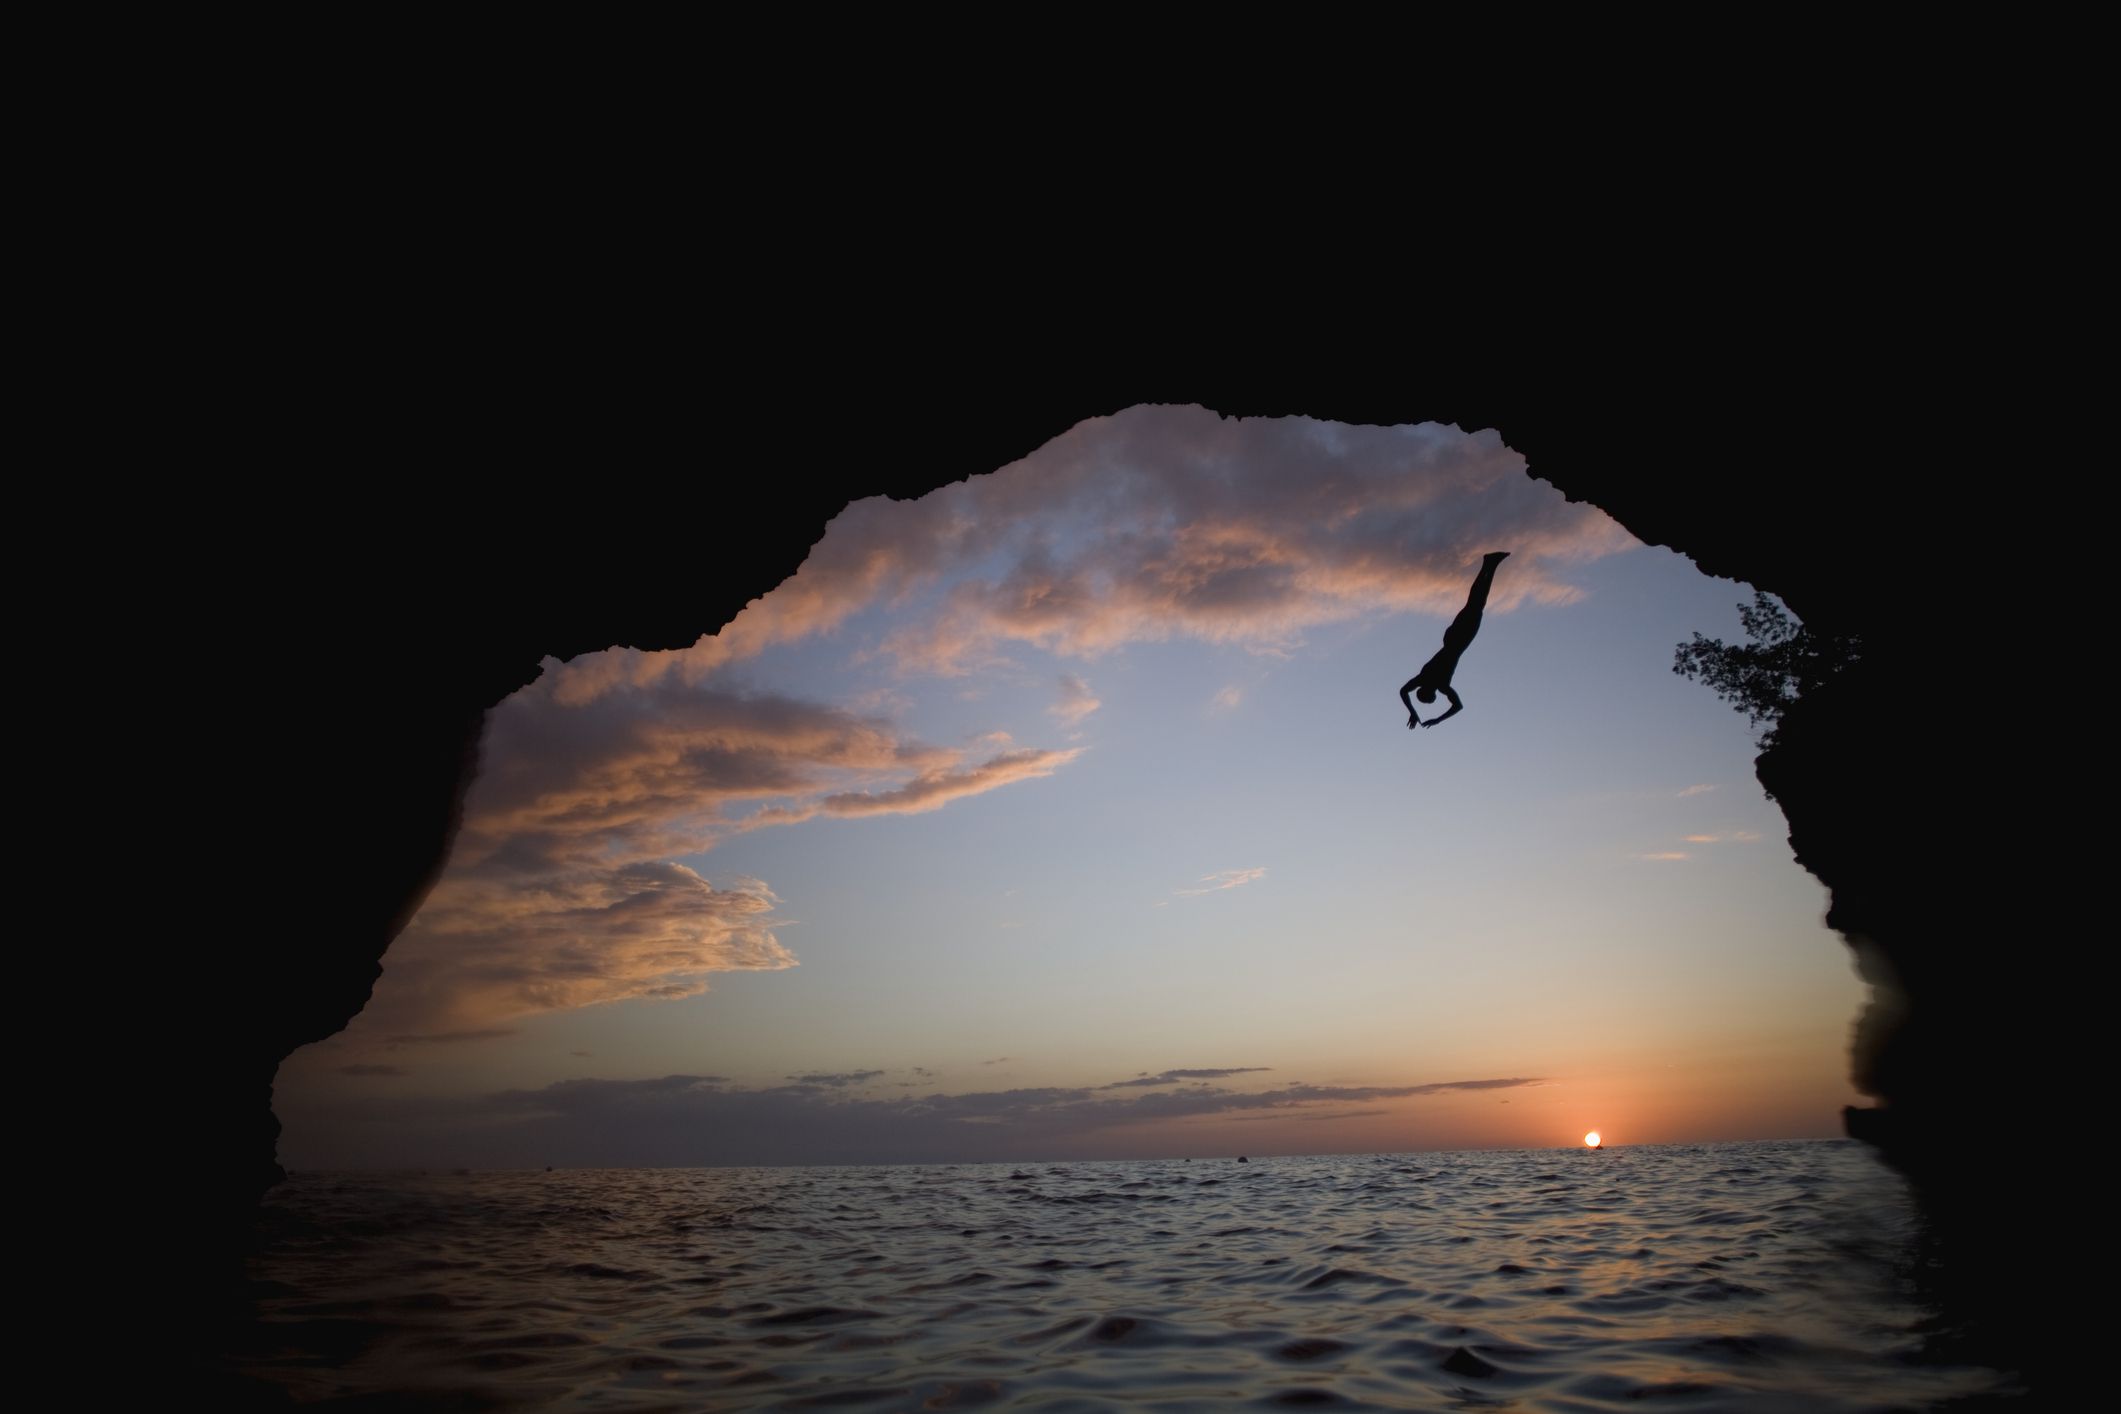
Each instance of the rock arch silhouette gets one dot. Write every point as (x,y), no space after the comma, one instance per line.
(419,610)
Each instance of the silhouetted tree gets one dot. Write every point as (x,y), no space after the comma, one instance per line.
(1764,677)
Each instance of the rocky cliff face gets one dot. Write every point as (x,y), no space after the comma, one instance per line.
(386,615)
(1920,809)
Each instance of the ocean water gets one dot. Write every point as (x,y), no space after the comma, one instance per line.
(1773,1276)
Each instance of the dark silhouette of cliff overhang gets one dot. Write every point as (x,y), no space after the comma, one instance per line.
(437,528)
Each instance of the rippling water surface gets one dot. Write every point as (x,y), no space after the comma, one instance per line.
(1768,1276)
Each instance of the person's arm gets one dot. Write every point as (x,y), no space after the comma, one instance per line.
(1406,688)
(1456,707)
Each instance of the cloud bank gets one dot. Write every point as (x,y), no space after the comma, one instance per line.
(1173,1077)
(1158,523)
(561,890)
(683,1120)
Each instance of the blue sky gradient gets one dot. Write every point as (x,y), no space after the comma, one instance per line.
(1211,843)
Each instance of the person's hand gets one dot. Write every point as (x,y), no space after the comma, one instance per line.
(1412,721)
(1432,721)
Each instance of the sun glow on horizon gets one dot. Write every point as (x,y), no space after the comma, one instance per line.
(1592,1141)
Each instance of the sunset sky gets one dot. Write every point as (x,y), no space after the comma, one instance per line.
(1070,812)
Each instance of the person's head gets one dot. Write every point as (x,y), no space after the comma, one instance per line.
(1424,693)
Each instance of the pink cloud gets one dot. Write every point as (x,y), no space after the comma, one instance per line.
(484,950)
(1225,879)
(1159,523)
(930,790)
(561,892)
(1076,702)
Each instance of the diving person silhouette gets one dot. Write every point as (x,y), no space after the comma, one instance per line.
(1435,675)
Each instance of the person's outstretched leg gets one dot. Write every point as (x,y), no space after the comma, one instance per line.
(1462,628)
(1485,580)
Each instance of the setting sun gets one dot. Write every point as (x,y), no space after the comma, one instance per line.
(1591,1140)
